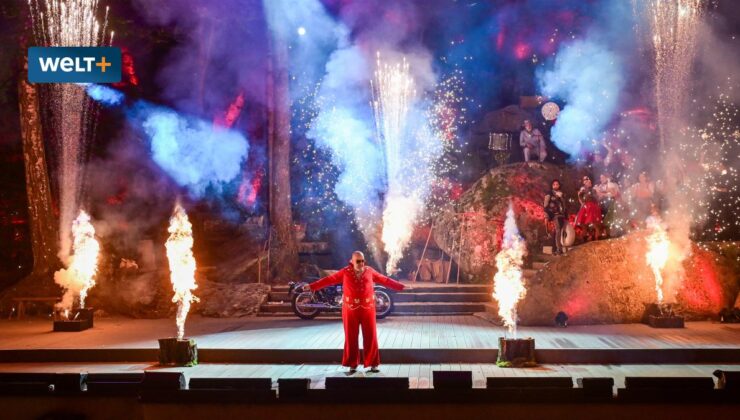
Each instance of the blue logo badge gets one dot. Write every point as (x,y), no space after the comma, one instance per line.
(74,64)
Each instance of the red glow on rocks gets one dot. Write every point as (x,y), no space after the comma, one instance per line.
(576,306)
(702,291)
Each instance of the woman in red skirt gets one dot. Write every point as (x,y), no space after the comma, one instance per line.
(589,216)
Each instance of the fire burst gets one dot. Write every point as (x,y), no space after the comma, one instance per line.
(658,251)
(79,276)
(508,286)
(182,265)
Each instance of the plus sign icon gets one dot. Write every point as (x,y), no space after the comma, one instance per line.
(74,64)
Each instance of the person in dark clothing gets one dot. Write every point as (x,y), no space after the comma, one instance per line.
(556,213)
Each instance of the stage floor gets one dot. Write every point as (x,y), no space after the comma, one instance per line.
(420,375)
(413,332)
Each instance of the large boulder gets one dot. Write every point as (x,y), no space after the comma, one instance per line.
(477,217)
(609,282)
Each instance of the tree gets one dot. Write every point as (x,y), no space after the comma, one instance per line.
(42,222)
(283,249)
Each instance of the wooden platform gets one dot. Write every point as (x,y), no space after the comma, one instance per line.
(419,374)
(424,339)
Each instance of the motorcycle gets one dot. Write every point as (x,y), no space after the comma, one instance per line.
(308,305)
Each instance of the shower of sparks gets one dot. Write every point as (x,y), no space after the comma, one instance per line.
(393,91)
(69,23)
(714,178)
(412,145)
(437,117)
(674,25)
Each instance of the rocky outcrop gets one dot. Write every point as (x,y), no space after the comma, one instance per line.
(609,282)
(477,217)
(222,300)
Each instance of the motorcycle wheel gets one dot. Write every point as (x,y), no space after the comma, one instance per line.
(383,304)
(297,304)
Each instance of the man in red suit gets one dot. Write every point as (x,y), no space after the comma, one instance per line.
(358,309)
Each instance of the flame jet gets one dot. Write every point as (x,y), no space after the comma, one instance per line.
(182,265)
(508,286)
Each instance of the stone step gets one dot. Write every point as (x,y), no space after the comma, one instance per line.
(411,297)
(439,307)
(278,296)
(544,257)
(423,287)
(442,297)
(338,315)
(401,307)
(538,265)
(420,287)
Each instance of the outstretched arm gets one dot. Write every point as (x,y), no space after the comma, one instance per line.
(335,278)
(387,281)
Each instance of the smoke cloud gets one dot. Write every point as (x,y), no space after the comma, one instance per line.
(588,76)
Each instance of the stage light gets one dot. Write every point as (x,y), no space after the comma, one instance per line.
(301,31)
(561,319)
(727,379)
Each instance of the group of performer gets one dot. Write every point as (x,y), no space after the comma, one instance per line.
(604,212)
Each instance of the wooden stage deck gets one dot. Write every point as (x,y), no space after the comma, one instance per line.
(420,375)
(423,339)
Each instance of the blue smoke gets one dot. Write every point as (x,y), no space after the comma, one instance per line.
(194,152)
(104,95)
(590,75)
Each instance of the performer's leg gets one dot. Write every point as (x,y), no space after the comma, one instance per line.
(559,224)
(542,154)
(526,154)
(351,356)
(370,338)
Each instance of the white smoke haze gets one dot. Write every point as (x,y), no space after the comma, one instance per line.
(588,76)
(385,181)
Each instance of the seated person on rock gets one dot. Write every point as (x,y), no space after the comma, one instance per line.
(532,142)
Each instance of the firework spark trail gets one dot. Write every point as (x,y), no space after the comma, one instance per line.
(182,265)
(674,25)
(508,286)
(658,251)
(411,148)
(79,276)
(69,23)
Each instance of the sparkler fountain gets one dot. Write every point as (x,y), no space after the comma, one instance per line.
(673,25)
(508,290)
(179,246)
(673,28)
(410,150)
(69,23)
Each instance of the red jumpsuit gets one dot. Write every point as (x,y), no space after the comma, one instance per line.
(358,310)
